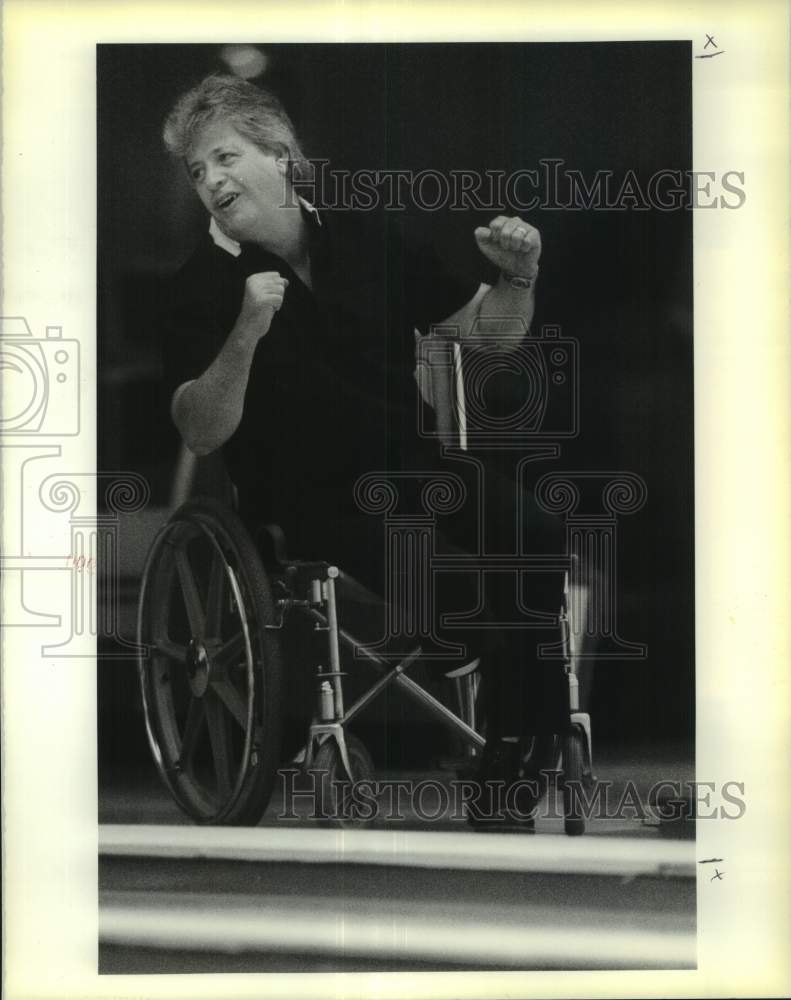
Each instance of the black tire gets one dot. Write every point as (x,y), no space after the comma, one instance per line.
(335,804)
(574,754)
(211,676)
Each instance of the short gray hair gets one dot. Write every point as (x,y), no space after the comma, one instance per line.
(255,113)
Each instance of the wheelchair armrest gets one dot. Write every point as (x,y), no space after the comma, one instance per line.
(270,540)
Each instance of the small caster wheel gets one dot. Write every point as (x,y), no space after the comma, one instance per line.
(339,800)
(573,782)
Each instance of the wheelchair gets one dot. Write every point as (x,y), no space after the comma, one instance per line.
(213,670)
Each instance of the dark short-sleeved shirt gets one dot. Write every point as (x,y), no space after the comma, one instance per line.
(331,393)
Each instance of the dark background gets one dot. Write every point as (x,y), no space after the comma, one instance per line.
(618,281)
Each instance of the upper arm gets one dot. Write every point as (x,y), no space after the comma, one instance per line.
(189,346)
(197,312)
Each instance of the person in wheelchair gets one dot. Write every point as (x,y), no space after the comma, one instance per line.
(290,344)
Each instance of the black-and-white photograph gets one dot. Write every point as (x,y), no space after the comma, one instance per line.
(395,420)
(394,437)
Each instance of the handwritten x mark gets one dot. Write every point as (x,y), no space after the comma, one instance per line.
(710,55)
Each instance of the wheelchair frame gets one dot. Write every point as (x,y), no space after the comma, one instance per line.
(439,372)
(310,589)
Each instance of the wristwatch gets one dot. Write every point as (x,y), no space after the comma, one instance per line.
(518,280)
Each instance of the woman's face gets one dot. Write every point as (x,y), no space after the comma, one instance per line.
(241,186)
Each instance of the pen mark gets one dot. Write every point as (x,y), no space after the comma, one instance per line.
(710,55)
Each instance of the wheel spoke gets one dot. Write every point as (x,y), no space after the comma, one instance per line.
(232,700)
(215,595)
(171,649)
(217,721)
(189,589)
(192,728)
(229,651)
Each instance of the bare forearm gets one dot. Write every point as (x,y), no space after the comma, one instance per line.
(208,410)
(506,310)
(514,247)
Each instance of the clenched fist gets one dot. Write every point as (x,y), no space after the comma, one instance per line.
(263,296)
(510,244)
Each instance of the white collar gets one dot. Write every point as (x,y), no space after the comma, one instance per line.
(224,242)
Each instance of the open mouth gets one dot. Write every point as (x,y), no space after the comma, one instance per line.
(226,201)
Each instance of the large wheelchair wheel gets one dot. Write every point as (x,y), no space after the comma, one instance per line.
(210,670)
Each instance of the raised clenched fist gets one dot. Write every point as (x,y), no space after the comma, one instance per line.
(263,296)
(512,244)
